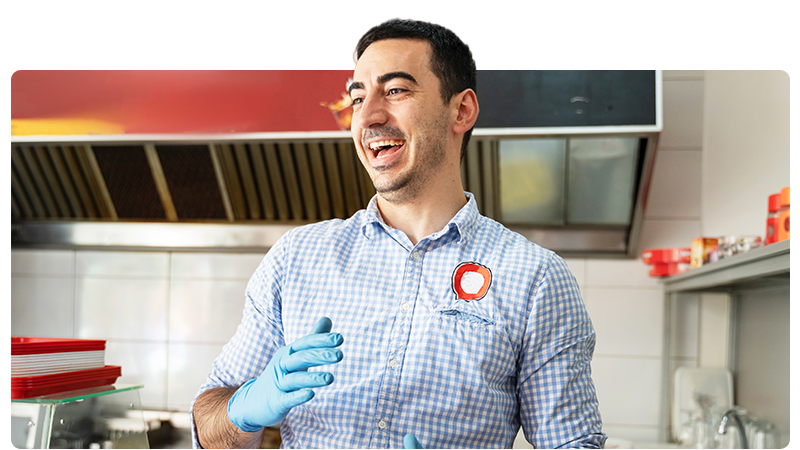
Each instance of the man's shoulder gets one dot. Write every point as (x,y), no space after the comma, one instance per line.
(326,229)
(499,235)
(517,249)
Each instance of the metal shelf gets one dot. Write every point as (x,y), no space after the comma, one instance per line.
(762,268)
(757,268)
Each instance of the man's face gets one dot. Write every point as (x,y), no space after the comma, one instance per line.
(401,127)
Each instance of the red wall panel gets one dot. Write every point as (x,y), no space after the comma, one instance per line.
(143,102)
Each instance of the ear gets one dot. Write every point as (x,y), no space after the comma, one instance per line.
(466,103)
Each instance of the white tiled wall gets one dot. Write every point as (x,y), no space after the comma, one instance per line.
(166,315)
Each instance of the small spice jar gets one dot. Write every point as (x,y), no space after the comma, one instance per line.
(773,208)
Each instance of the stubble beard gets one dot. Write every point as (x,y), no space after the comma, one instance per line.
(409,184)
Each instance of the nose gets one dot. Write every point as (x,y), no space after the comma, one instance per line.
(371,112)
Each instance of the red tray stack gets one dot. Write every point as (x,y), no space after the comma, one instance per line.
(667,261)
(43,366)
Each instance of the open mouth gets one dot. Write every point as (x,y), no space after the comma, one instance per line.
(381,149)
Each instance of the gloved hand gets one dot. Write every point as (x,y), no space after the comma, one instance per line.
(410,441)
(285,383)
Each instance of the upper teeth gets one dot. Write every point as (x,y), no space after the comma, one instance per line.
(378,144)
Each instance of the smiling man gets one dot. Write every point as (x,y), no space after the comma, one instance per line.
(408,137)
(452,331)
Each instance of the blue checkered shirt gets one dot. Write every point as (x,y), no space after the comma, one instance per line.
(417,358)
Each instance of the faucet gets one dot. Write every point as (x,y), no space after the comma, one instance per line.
(723,425)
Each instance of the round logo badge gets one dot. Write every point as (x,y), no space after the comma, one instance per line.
(471,281)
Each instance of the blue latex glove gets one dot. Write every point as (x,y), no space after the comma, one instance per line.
(410,441)
(285,383)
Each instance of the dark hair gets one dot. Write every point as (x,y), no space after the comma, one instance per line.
(451,59)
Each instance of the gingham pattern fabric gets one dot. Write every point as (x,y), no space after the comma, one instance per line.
(417,359)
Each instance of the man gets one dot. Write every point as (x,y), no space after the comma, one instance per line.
(450,327)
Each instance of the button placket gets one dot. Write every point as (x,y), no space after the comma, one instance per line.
(398,342)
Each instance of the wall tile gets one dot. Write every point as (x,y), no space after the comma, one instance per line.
(205,310)
(122,264)
(115,308)
(675,188)
(142,363)
(215,265)
(628,389)
(43,262)
(627,321)
(668,233)
(42,306)
(683,114)
(619,273)
(189,365)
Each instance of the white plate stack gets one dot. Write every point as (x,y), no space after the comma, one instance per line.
(50,363)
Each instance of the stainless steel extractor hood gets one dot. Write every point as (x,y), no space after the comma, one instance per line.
(572,176)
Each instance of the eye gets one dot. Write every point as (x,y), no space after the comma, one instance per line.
(357,100)
(394,91)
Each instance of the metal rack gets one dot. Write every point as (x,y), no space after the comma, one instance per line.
(762,268)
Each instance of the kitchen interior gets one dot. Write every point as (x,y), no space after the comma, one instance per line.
(153,255)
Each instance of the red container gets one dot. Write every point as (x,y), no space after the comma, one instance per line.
(773,206)
(36,345)
(667,269)
(667,255)
(27,387)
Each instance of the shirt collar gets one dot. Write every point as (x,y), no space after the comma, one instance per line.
(465,222)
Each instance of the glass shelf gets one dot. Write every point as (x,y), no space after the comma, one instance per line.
(100,417)
(80,394)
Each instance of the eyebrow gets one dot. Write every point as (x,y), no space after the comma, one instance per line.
(383,79)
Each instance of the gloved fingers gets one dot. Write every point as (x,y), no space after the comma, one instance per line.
(321,340)
(304,380)
(323,325)
(410,441)
(291,399)
(311,357)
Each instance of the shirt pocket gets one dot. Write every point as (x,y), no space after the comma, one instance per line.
(478,339)
(460,311)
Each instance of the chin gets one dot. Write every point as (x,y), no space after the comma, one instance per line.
(400,190)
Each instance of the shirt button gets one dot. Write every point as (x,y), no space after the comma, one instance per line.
(393,363)
(416,256)
(406,307)
(382,425)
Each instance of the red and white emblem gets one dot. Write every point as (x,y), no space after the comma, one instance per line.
(471,281)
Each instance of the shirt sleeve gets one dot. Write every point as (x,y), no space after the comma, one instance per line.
(258,336)
(558,402)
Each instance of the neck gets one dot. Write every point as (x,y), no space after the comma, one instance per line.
(423,215)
